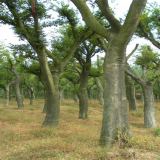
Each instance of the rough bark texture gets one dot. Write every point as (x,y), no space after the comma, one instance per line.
(100,91)
(131,94)
(52,91)
(149,112)
(115,116)
(82,93)
(147,87)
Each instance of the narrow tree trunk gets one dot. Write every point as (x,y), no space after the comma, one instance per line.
(115,115)
(19,97)
(52,91)
(149,111)
(100,91)
(75,97)
(61,94)
(131,94)
(89,94)
(31,94)
(142,98)
(10,93)
(7,95)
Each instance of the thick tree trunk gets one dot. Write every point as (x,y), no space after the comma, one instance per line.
(100,91)
(115,115)
(149,111)
(131,94)
(82,93)
(52,91)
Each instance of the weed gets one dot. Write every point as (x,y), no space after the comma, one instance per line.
(157,132)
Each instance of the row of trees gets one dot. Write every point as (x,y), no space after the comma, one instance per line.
(73,49)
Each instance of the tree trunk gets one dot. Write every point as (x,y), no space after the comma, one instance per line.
(142,98)
(31,95)
(89,94)
(115,115)
(149,112)
(75,97)
(61,94)
(45,103)
(19,97)
(10,93)
(100,91)
(7,94)
(131,94)
(52,91)
(82,93)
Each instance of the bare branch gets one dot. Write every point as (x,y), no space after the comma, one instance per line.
(132,52)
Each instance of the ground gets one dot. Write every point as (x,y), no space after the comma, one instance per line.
(22,138)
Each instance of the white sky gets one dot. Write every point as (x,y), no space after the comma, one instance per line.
(120,8)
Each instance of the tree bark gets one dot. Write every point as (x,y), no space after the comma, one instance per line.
(19,97)
(149,112)
(52,91)
(115,115)
(82,93)
(131,94)
(7,94)
(100,91)
(10,93)
(75,97)
(147,87)
(61,94)
(142,98)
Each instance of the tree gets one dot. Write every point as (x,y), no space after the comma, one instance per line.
(150,71)
(148,27)
(118,35)
(27,21)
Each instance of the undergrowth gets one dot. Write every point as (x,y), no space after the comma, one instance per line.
(22,136)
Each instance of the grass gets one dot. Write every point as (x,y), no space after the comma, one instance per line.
(21,135)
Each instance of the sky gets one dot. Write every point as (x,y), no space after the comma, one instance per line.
(120,8)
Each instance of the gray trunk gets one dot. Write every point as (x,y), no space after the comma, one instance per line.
(142,98)
(115,115)
(75,97)
(52,104)
(149,111)
(7,95)
(100,91)
(61,94)
(19,97)
(131,94)
(82,93)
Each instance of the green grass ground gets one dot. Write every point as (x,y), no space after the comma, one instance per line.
(22,138)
